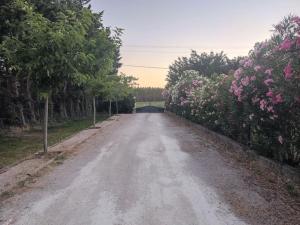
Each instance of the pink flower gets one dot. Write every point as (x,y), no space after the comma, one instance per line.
(288,71)
(262,104)
(268,82)
(242,61)
(257,68)
(252,78)
(280,139)
(296,19)
(278,99)
(245,81)
(196,82)
(298,42)
(238,92)
(248,63)
(238,73)
(269,94)
(234,86)
(270,109)
(269,72)
(286,44)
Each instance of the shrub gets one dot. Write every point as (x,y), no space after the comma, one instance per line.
(258,104)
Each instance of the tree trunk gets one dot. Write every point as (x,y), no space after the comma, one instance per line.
(94,107)
(109,109)
(30,101)
(71,108)
(22,117)
(117,107)
(62,108)
(19,106)
(82,107)
(87,110)
(77,108)
(46,124)
(65,114)
(65,109)
(86,106)
(51,109)
(83,111)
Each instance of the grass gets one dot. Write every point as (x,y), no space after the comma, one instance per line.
(17,147)
(160,104)
(292,190)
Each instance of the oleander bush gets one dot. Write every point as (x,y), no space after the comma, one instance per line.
(256,101)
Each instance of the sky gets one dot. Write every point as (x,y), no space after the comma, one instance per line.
(157,32)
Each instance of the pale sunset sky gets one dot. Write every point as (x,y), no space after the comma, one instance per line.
(156,32)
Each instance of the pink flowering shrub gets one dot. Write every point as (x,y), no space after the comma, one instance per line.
(258,104)
(273,93)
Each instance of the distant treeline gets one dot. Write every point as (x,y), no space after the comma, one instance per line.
(148,94)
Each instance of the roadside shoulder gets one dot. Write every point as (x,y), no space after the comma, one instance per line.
(26,169)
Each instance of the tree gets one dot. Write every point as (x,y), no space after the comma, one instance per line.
(148,94)
(206,64)
(55,53)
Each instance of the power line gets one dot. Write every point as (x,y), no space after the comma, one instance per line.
(168,52)
(148,67)
(156,52)
(184,47)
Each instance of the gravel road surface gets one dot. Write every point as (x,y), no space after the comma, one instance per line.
(144,169)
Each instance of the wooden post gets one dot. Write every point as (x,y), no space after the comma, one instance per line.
(46,124)
(94,107)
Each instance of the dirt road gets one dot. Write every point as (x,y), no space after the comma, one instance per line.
(145,169)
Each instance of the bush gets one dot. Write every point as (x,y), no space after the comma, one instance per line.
(258,104)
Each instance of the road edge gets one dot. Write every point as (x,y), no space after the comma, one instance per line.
(229,145)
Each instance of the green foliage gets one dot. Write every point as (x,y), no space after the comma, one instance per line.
(60,48)
(205,64)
